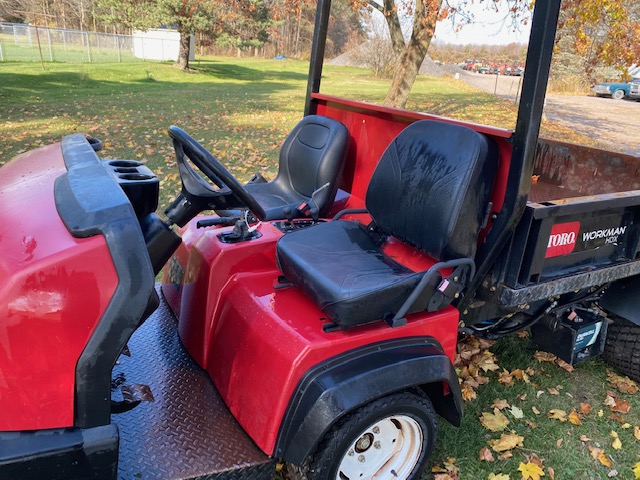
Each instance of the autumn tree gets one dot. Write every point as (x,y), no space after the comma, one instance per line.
(241,23)
(425,15)
(601,32)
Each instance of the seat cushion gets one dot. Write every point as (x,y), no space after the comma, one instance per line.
(339,266)
(431,188)
(278,202)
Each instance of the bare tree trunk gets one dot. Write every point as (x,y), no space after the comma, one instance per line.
(425,17)
(183,55)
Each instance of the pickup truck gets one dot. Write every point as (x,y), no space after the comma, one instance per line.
(617,91)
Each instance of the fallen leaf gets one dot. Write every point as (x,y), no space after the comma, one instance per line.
(498,476)
(531,424)
(496,421)
(610,401)
(488,362)
(505,456)
(636,432)
(539,392)
(559,442)
(507,441)
(574,418)
(545,357)
(485,455)
(565,366)
(626,426)
(604,459)
(553,391)
(516,412)
(522,397)
(585,408)
(617,444)
(624,384)
(621,406)
(612,473)
(535,410)
(500,404)
(468,393)
(584,438)
(552,473)
(505,378)
(520,375)
(531,471)
(636,471)
(557,414)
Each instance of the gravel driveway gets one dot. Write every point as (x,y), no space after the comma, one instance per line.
(613,123)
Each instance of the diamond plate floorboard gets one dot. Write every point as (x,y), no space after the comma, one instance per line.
(187,432)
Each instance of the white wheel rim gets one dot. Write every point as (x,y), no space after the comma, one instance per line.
(390,448)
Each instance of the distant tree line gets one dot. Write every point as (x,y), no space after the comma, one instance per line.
(277,27)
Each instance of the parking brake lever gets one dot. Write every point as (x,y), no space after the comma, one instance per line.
(311,206)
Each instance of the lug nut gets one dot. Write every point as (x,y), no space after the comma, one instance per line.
(361,458)
(376,444)
(376,430)
(351,453)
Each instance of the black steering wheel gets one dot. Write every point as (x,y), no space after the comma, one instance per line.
(197,195)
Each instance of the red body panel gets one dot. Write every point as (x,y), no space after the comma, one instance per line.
(53,290)
(255,341)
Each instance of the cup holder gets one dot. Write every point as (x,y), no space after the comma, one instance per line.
(135,176)
(125,163)
(126,170)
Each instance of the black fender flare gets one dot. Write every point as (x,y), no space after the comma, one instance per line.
(345,382)
(622,299)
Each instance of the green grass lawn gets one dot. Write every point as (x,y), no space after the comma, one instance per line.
(241,110)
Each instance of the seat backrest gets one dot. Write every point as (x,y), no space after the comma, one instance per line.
(431,188)
(314,154)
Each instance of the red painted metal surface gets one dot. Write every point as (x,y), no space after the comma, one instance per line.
(53,290)
(372,128)
(257,341)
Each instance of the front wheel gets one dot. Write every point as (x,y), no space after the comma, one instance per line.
(618,95)
(622,347)
(391,437)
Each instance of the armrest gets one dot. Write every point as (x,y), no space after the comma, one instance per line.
(398,319)
(348,211)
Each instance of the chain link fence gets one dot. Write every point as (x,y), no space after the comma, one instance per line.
(25,43)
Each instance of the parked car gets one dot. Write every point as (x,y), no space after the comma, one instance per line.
(634,91)
(616,91)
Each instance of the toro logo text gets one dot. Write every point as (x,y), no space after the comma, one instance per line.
(562,239)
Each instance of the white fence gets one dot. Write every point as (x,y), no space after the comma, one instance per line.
(20,42)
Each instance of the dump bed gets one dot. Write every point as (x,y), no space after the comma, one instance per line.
(580,226)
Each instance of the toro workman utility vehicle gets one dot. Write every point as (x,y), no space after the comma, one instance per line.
(314,318)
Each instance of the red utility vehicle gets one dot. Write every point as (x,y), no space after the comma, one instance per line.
(315,318)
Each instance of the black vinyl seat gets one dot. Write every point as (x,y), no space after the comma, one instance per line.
(312,155)
(430,189)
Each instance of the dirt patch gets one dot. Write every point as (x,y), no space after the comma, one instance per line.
(614,124)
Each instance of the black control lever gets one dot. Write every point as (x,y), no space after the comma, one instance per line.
(210,222)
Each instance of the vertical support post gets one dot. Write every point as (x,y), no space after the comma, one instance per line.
(49,42)
(525,141)
(39,48)
(495,88)
(88,46)
(64,39)
(15,35)
(164,57)
(317,53)
(118,44)
(1,54)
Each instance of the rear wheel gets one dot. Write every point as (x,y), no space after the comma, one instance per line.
(622,347)
(618,95)
(391,437)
